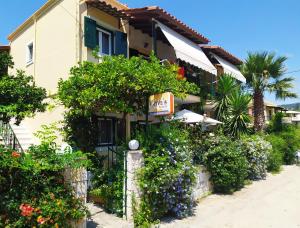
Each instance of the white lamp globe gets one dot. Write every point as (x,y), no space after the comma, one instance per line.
(133,144)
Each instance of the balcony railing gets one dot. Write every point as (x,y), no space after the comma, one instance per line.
(9,138)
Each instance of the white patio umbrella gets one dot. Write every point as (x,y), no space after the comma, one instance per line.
(188,116)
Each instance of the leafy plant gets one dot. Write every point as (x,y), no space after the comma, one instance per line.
(232,106)
(33,189)
(226,86)
(227,165)
(257,151)
(19,96)
(168,176)
(276,156)
(238,117)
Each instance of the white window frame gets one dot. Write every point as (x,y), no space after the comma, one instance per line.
(100,32)
(28,60)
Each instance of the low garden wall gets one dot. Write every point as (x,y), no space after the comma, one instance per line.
(135,161)
(203,186)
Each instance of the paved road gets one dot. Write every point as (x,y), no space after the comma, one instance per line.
(274,202)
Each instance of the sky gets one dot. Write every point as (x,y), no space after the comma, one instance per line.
(239,26)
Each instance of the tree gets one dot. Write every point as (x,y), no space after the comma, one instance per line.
(232,106)
(265,72)
(19,96)
(118,84)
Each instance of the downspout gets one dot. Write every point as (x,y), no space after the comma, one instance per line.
(34,48)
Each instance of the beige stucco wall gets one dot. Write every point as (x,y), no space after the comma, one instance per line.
(54,34)
(58,39)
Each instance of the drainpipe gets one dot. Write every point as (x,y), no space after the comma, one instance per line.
(154,37)
(34,48)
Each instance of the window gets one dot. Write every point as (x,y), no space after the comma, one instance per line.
(29,58)
(104,42)
(105,127)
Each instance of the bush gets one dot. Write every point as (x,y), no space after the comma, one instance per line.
(227,165)
(33,191)
(168,176)
(287,142)
(37,183)
(276,156)
(257,151)
(292,138)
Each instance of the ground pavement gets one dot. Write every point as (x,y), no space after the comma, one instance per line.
(270,203)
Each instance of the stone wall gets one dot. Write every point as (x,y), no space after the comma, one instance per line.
(203,186)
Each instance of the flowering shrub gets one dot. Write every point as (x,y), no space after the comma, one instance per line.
(257,151)
(168,176)
(32,188)
(227,164)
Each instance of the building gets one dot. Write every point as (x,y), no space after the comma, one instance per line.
(270,109)
(292,117)
(64,32)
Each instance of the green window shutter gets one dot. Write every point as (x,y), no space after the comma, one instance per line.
(90,33)
(120,43)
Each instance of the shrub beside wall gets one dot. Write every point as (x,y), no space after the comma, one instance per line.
(227,165)
(168,177)
(33,191)
(257,151)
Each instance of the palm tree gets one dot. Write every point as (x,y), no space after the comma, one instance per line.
(265,72)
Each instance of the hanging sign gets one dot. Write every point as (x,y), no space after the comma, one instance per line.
(161,104)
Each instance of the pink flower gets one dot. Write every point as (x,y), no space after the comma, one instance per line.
(26,209)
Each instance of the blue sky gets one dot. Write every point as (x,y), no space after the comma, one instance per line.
(238,26)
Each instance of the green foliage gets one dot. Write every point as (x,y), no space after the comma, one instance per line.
(33,191)
(232,107)
(276,156)
(238,118)
(168,176)
(276,124)
(227,165)
(226,86)
(291,136)
(257,151)
(19,96)
(108,182)
(119,84)
(287,142)
(5,62)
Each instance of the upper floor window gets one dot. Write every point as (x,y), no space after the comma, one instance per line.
(105,41)
(29,53)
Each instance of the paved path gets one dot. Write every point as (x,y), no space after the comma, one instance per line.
(101,219)
(274,202)
(270,203)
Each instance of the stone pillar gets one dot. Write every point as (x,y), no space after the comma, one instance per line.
(78,180)
(134,162)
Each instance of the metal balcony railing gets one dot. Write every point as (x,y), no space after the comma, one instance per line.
(9,137)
